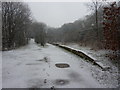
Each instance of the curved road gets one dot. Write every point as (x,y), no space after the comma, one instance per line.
(33,66)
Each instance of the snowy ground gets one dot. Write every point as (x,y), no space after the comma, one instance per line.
(107,77)
(33,66)
(0,69)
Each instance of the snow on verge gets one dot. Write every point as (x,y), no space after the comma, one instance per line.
(108,78)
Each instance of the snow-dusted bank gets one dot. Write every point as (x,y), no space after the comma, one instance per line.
(33,66)
(100,57)
(84,55)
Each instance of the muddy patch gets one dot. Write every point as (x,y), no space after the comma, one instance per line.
(61,82)
(62,65)
(45,59)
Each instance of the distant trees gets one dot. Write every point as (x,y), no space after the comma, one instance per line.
(81,31)
(96,4)
(84,31)
(38,32)
(15,23)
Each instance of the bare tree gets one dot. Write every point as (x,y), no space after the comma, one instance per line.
(95,6)
(15,21)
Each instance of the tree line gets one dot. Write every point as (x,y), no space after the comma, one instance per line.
(38,32)
(18,26)
(15,23)
(86,32)
(82,32)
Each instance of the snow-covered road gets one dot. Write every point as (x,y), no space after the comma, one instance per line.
(33,66)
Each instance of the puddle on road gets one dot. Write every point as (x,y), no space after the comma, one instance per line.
(75,76)
(62,65)
(61,82)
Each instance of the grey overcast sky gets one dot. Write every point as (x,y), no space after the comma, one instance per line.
(55,14)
